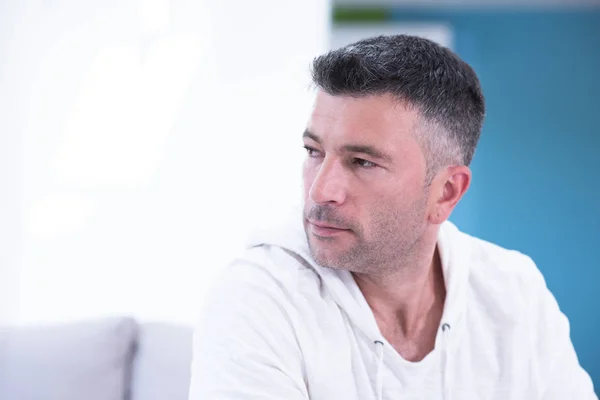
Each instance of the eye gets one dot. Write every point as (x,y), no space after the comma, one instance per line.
(312,152)
(364,163)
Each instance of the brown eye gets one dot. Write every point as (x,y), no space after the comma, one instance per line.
(311,152)
(364,163)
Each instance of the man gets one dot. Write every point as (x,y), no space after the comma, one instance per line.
(375,295)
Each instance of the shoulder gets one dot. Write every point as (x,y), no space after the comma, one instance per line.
(507,295)
(251,304)
(502,282)
(245,341)
(263,282)
(267,268)
(496,264)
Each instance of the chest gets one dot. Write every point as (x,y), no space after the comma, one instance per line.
(414,348)
(482,365)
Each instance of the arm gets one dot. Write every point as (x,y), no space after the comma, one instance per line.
(560,375)
(245,346)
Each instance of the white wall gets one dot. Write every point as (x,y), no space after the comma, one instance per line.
(10,169)
(138,150)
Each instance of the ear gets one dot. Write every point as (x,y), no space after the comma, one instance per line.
(448,187)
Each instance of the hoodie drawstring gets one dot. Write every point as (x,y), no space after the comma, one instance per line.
(446,361)
(379,376)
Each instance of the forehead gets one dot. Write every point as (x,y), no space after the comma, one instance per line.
(375,120)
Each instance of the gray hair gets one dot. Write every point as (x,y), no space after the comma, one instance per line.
(418,72)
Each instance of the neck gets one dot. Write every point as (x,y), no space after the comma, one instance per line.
(410,297)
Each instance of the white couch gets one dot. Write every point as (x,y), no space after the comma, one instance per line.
(108,359)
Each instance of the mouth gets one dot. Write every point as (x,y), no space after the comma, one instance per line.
(325,230)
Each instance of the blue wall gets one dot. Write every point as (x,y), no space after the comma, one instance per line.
(537,170)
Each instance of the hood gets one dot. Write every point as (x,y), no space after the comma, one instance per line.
(290,235)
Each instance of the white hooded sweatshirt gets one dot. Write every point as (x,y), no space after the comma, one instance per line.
(279,326)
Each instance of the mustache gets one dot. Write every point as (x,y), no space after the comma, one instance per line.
(327,215)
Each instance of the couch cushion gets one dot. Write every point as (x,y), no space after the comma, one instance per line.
(162,364)
(87,360)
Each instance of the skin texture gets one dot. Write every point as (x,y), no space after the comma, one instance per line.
(368,210)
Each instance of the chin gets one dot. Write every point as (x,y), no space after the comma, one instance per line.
(325,257)
(328,263)
(330,252)
(319,253)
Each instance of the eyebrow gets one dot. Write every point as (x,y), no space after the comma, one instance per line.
(310,135)
(354,148)
(369,150)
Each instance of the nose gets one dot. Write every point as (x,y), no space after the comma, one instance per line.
(328,187)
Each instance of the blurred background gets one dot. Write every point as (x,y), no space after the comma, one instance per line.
(141,141)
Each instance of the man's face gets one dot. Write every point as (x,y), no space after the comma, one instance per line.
(364,196)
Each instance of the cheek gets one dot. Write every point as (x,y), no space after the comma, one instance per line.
(388,201)
(308,175)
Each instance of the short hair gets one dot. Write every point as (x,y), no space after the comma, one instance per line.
(417,72)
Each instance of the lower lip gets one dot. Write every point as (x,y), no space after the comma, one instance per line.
(326,232)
